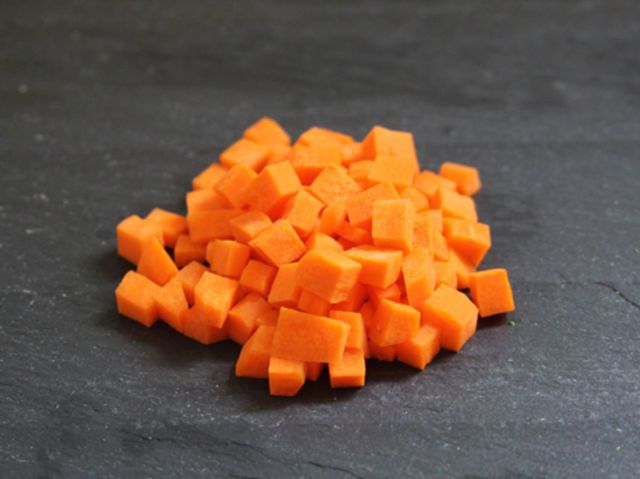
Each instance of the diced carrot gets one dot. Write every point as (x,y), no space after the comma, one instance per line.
(269,318)
(367,310)
(135,298)
(360,206)
(245,152)
(455,205)
(420,201)
(257,277)
(328,274)
(392,293)
(185,251)
(462,267)
(471,240)
(172,224)
(314,370)
(351,152)
(420,349)
(208,177)
(466,178)
(188,277)
(435,219)
(321,136)
(233,185)
(155,263)
(346,244)
(243,317)
(205,200)
(399,144)
(334,184)
(382,353)
(197,325)
(419,276)
(274,185)
(332,217)
(267,131)
(278,154)
(394,323)
(205,226)
(248,225)
(354,234)
(380,266)
(396,170)
(133,232)
(278,244)
(171,304)
(491,292)
(356,297)
(357,338)
(285,290)
(214,295)
(309,161)
(227,257)
(302,212)
(446,273)
(359,172)
(423,232)
(392,224)
(306,337)
(318,240)
(440,247)
(253,361)
(286,376)
(313,304)
(428,183)
(453,314)
(349,371)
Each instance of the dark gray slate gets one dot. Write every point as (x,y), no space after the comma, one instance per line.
(109,108)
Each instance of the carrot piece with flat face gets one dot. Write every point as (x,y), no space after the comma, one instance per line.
(278,244)
(155,263)
(273,187)
(453,314)
(243,317)
(381,353)
(286,376)
(466,178)
(313,304)
(332,217)
(423,232)
(357,338)
(446,273)
(270,318)
(188,277)
(208,177)
(360,207)
(359,172)
(419,276)
(354,234)
(285,290)
(309,161)
(205,226)
(245,152)
(205,200)
(328,274)
(135,298)
(440,247)
(398,171)
(367,310)
(428,183)
(227,257)
(470,239)
(233,185)
(267,131)
(334,184)
(318,240)
(351,152)
(253,361)
(491,292)
(278,154)
(257,277)
(356,297)
(435,219)
(392,293)
(420,201)
(248,225)
(302,212)
(380,266)
(392,224)
(455,205)
(197,325)
(214,295)
(350,371)
(420,349)
(132,233)
(185,251)
(172,224)
(394,323)
(462,267)
(314,370)
(384,142)
(171,304)
(306,337)
(318,135)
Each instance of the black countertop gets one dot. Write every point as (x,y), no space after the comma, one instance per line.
(109,108)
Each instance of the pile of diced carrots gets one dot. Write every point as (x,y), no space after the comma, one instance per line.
(319,254)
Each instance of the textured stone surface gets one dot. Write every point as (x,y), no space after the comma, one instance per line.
(110,108)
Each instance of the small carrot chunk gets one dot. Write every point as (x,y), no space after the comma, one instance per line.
(441,250)
(306,337)
(318,135)
(313,304)
(398,144)
(285,290)
(420,201)
(205,226)
(273,186)
(463,269)
(334,184)
(419,276)
(351,152)
(245,152)
(205,200)
(328,274)
(360,206)
(420,349)
(214,295)
(135,298)
(185,251)
(332,217)
(318,240)
(257,277)
(270,318)
(382,353)
(392,224)
(428,183)
(423,232)
(243,317)
(491,292)
(446,273)
(353,234)
(359,172)
(357,338)
(188,277)
(278,244)
(172,224)
(314,370)
(348,372)
(394,323)
(471,240)
(455,205)
(208,177)
(435,219)
(155,263)
(248,225)
(267,131)
(197,325)
(453,314)
(356,297)
(233,185)
(392,293)
(309,161)
(171,304)
(380,266)
(132,233)
(302,212)
(286,376)
(398,171)
(227,257)
(466,178)
(278,153)
(253,361)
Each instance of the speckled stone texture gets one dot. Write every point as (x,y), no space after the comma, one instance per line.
(109,108)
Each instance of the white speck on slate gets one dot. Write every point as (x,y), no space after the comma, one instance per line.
(23,88)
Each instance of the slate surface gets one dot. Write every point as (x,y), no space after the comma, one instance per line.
(110,108)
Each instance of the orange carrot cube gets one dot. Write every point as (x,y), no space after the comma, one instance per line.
(172,224)
(274,185)
(394,323)
(328,274)
(380,266)
(286,376)
(245,152)
(392,224)
(208,177)
(197,325)
(155,263)
(332,217)
(257,277)
(455,205)
(420,349)
(267,131)
(313,304)
(470,239)
(398,144)
(349,371)
(227,257)
(398,171)
(278,244)
(360,206)
(302,212)
(248,225)
(205,200)
(243,317)
(491,292)
(188,277)
(285,290)
(133,232)
(171,304)
(419,276)
(185,251)
(309,161)
(253,361)
(205,226)
(318,135)
(466,178)
(214,295)
(319,240)
(234,183)
(334,184)
(135,298)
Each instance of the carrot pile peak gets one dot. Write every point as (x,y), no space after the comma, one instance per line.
(325,252)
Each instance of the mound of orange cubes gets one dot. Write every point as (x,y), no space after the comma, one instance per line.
(317,255)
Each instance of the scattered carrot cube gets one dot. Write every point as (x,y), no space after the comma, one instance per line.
(171,304)
(245,152)
(208,177)
(360,206)
(455,205)
(253,361)
(318,240)
(334,184)
(321,136)
(398,144)
(248,225)
(185,251)
(466,178)
(257,277)
(234,183)
(420,349)
(309,161)
(302,212)
(197,325)
(470,239)
(394,323)
(328,274)
(286,376)
(313,304)
(392,224)
(172,224)
(267,131)
(349,371)
(133,232)
(272,187)
(155,263)
(205,200)
(242,320)
(227,257)
(419,276)
(188,277)
(332,217)
(135,298)
(278,244)
(285,290)
(491,291)
(380,266)
(214,295)
(397,171)
(205,226)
